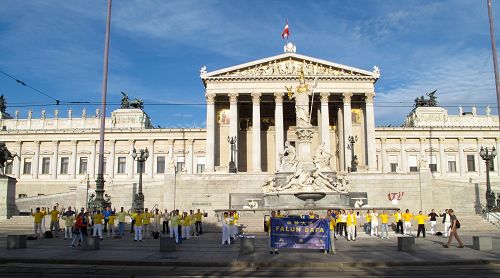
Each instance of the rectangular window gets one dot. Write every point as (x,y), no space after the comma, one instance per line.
(492,165)
(200,164)
(471,163)
(433,163)
(64,165)
(139,166)
(45,165)
(452,164)
(122,165)
(160,164)
(8,168)
(27,166)
(393,162)
(412,163)
(83,165)
(180,164)
(20,196)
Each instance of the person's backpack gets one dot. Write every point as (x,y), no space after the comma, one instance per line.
(156,235)
(457,224)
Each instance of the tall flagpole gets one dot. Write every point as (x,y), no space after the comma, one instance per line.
(99,201)
(495,61)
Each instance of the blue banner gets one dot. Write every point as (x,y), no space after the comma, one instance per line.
(300,233)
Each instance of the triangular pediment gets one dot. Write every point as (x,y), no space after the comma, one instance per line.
(289,64)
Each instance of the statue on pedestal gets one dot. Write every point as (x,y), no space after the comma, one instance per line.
(322,158)
(288,159)
(5,157)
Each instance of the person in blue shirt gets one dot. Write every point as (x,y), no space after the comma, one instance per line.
(106,214)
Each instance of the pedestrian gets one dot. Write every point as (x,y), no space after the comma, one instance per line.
(121,222)
(226,233)
(132,215)
(421,223)
(407,216)
(54,220)
(399,221)
(69,220)
(330,217)
(138,221)
(185,225)
(268,222)
(446,222)
(192,221)
(433,222)
(38,215)
(146,224)
(455,225)
(97,228)
(43,227)
(198,217)
(384,219)
(85,223)
(351,226)
(343,222)
(111,224)
(374,223)
(174,227)
(166,219)
(78,229)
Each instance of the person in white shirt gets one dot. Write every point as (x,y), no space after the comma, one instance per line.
(446,222)
(374,223)
(226,233)
(166,219)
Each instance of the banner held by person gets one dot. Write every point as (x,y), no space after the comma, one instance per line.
(300,233)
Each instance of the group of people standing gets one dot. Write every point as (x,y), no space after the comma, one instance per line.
(229,226)
(144,223)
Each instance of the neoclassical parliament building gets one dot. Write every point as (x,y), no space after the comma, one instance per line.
(433,157)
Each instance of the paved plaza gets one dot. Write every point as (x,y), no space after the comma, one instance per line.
(205,255)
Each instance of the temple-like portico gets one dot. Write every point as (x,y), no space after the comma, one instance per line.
(250,102)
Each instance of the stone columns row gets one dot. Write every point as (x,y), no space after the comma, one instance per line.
(370,132)
(210,141)
(347,112)
(279,127)
(256,134)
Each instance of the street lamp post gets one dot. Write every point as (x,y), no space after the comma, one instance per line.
(141,157)
(232,164)
(487,157)
(354,162)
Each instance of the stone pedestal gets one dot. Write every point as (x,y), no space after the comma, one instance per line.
(247,245)
(167,244)
(7,197)
(482,243)
(16,241)
(91,243)
(406,243)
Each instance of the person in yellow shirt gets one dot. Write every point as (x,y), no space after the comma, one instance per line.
(268,222)
(146,223)
(97,229)
(198,216)
(174,226)
(311,215)
(121,222)
(185,225)
(38,215)
(236,218)
(407,217)
(399,221)
(330,218)
(138,225)
(54,220)
(351,226)
(111,224)
(368,223)
(278,214)
(421,223)
(384,220)
(157,217)
(192,221)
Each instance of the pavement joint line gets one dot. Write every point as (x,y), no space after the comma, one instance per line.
(249,263)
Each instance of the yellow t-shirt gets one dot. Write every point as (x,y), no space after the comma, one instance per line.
(121,216)
(38,217)
(231,220)
(384,218)
(420,219)
(236,218)
(138,219)
(174,220)
(407,217)
(53,216)
(146,218)
(351,219)
(198,216)
(111,219)
(368,218)
(332,223)
(98,218)
(268,224)
(397,216)
(69,221)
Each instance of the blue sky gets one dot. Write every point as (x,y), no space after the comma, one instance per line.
(158,47)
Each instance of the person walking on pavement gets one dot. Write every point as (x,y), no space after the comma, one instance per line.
(98,219)
(455,225)
(38,215)
(399,221)
(384,219)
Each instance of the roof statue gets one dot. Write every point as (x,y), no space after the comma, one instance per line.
(135,103)
(3,104)
(422,102)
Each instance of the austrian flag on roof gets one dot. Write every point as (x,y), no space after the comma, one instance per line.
(285,32)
